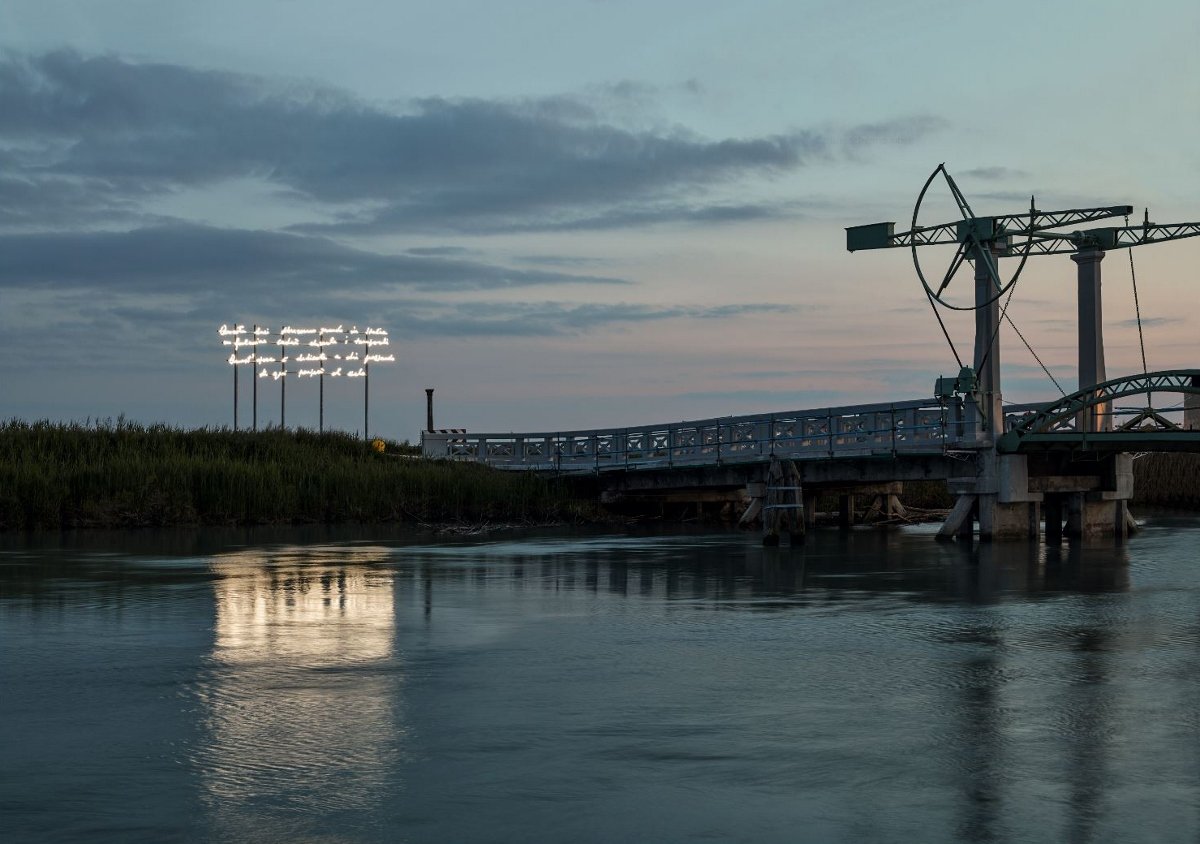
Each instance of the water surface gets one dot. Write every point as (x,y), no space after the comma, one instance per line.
(366,685)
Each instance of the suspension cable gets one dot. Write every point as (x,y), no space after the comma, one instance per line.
(1049,374)
(996,330)
(1137,308)
(1004,316)
(945,333)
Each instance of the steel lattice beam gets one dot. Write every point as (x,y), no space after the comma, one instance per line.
(1044,220)
(999,228)
(1122,237)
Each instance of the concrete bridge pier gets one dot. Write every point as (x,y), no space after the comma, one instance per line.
(1004,520)
(998,498)
(1076,515)
(1079,498)
(1090,516)
(1053,509)
(846,504)
(998,520)
(810,509)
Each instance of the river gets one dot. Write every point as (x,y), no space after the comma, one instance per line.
(368,685)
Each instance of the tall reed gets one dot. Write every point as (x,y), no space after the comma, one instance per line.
(1169,480)
(120,474)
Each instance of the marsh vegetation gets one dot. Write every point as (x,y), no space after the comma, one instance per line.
(122,474)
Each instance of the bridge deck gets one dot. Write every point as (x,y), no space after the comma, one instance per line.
(922,426)
(915,428)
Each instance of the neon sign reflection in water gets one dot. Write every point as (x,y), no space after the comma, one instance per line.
(284,723)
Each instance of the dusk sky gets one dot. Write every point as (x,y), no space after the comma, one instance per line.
(569,214)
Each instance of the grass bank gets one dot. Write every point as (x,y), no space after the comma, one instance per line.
(121,474)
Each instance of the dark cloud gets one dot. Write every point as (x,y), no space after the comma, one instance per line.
(995,173)
(1018,201)
(794,400)
(441,251)
(691,214)
(1052,322)
(1150,322)
(57,202)
(1003,196)
(558,260)
(118,130)
(544,319)
(225,261)
(617,217)
(899,131)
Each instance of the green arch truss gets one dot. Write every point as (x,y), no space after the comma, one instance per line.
(1186,381)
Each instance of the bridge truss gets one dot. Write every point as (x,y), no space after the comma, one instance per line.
(1054,425)
(919,427)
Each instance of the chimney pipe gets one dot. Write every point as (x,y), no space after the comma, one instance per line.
(429,409)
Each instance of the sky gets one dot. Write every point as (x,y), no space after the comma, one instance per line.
(568,214)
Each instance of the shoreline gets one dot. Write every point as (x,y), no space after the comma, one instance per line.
(123,476)
(126,476)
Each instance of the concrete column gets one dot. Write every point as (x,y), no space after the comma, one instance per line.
(1119,477)
(1074,526)
(1000,521)
(987,516)
(1091,338)
(959,521)
(810,509)
(1090,517)
(987,346)
(755,493)
(1053,507)
(966,529)
(1101,519)
(846,510)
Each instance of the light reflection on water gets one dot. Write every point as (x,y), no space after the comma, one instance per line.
(302,696)
(872,686)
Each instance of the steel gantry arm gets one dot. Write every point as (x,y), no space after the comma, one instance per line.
(998,228)
(1033,228)
(1105,239)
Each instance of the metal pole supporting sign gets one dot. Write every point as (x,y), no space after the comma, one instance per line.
(321,348)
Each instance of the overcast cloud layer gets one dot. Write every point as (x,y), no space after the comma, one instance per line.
(89,144)
(92,135)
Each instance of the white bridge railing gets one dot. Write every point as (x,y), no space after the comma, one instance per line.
(925,426)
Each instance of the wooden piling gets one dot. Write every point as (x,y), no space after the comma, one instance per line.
(783,507)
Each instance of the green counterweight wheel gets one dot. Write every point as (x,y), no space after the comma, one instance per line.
(980,239)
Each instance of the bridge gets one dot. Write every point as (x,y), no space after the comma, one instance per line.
(1064,463)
